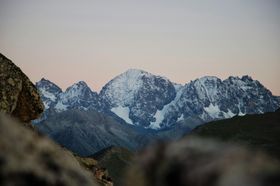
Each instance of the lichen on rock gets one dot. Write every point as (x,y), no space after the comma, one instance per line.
(18,95)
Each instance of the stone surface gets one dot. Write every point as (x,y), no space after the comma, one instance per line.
(197,162)
(18,95)
(28,159)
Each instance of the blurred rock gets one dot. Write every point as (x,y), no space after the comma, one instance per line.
(27,159)
(197,162)
(18,96)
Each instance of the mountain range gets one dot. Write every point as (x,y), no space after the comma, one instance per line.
(142,99)
(136,108)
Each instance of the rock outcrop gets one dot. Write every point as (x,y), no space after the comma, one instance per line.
(18,95)
(197,162)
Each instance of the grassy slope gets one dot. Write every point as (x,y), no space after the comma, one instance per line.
(115,160)
(256,131)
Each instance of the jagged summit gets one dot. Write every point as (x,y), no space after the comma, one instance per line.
(135,71)
(244,78)
(49,92)
(77,96)
(44,80)
(247,78)
(136,95)
(208,78)
(78,89)
(122,88)
(48,85)
(79,84)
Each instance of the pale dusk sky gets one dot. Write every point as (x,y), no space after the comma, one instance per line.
(69,40)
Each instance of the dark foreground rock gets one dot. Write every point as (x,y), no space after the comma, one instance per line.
(197,162)
(18,95)
(27,159)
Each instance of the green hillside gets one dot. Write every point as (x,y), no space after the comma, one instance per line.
(260,132)
(115,160)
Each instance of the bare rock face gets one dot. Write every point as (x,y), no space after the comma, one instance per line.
(199,162)
(18,96)
(27,159)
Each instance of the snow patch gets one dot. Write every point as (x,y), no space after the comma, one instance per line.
(122,89)
(229,114)
(160,114)
(177,86)
(213,110)
(181,118)
(47,94)
(75,91)
(207,87)
(46,104)
(60,107)
(159,118)
(122,112)
(241,114)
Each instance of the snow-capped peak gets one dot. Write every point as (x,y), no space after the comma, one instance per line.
(77,96)
(44,80)
(139,93)
(49,86)
(134,75)
(135,71)
(78,85)
(48,91)
(122,88)
(208,78)
(141,98)
(78,89)
(247,78)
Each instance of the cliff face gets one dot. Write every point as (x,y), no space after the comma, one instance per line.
(18,95)
(27,158)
